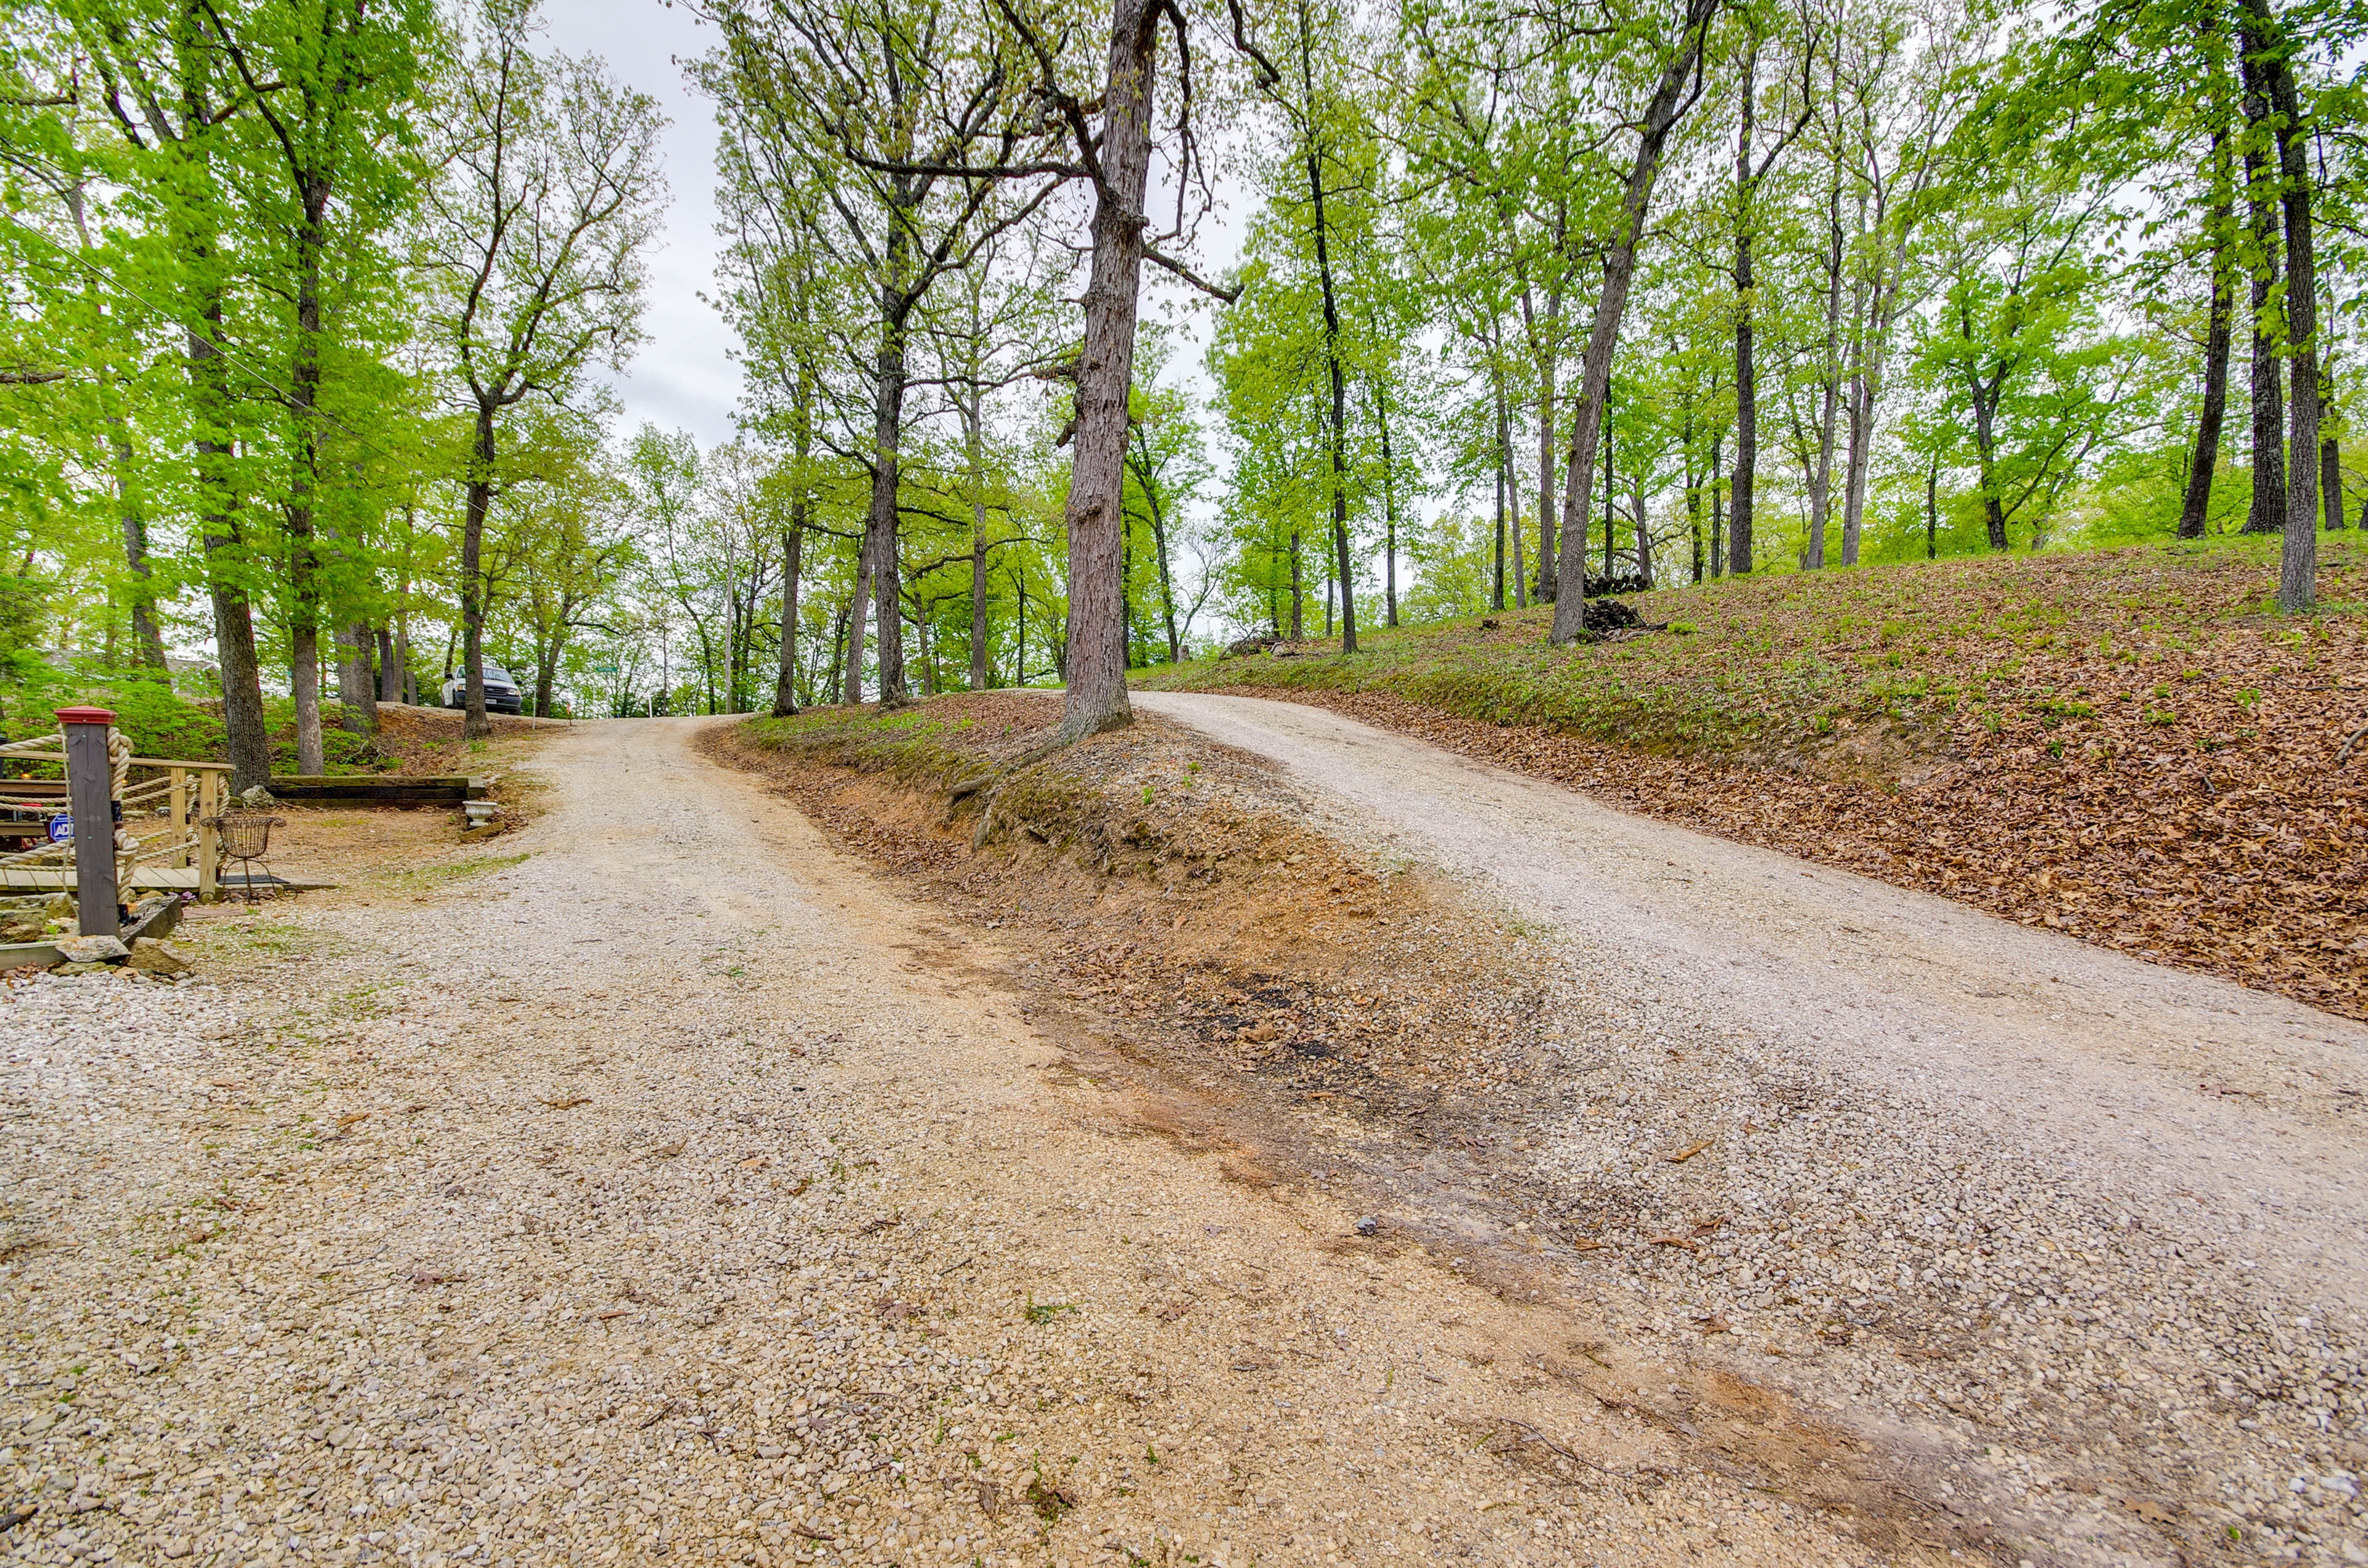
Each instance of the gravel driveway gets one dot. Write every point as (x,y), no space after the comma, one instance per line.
(653,1187)
(1978,1185)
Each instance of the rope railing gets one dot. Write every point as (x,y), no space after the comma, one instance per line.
(169,849)
(185,795)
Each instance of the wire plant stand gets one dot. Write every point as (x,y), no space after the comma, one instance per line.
(246,838)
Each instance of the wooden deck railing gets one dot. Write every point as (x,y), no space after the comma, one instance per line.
(190,792)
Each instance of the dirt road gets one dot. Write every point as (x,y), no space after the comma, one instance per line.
(652,1186)
(2113,1211)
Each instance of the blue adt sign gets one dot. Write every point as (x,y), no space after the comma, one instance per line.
(61,828)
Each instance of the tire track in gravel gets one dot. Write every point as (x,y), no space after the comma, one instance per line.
(2105,1217)
(673,1193)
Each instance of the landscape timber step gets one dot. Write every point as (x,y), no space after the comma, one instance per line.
(377,790)
(148,879)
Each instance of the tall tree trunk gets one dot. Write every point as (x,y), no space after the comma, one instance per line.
(390,669)
(2268,511)
(1496,595)
(973,453)
(1611,492)
(303,406)
(879,530)
(1860,427)
(1693,492)
(1718,512)
(1661,115)
(546,669)
(2298,560)
(1747,379)
(1548,357)
(2196,506)
(1298,589)
(793,542)
(358,685)
(839,648)
(1160,550)
(1644,535)
(1094,664)
(1331,346)
(147,639)
(1389,505)
(1504,470)
(1513,530)
(480,499)
(1985,401)
(881,522)
(248,741)
(852,662)
(2331,482)
(1932,509)
(1821,476)
(1872,329)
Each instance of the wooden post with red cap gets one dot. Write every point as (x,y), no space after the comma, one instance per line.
(90,796)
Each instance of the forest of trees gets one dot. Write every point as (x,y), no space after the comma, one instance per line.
(312,304)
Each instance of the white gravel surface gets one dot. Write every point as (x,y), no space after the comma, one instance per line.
(656,1188)
(1986,1188)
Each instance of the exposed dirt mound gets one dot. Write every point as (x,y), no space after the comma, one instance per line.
(1176,882)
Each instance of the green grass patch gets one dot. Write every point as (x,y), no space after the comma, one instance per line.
(1764,664)
(422,879)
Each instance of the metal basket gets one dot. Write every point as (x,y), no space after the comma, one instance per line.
(245,838)
(246,835)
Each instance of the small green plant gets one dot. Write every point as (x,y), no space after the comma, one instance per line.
(1045,1311)
(420,879)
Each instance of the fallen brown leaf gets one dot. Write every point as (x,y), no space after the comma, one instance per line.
(1688,1153)
(569,1102)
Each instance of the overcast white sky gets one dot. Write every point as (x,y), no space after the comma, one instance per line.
(685,375)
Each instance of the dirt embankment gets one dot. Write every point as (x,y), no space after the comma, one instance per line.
(1182,888)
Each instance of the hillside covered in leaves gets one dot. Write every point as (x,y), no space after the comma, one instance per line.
(2127,746)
